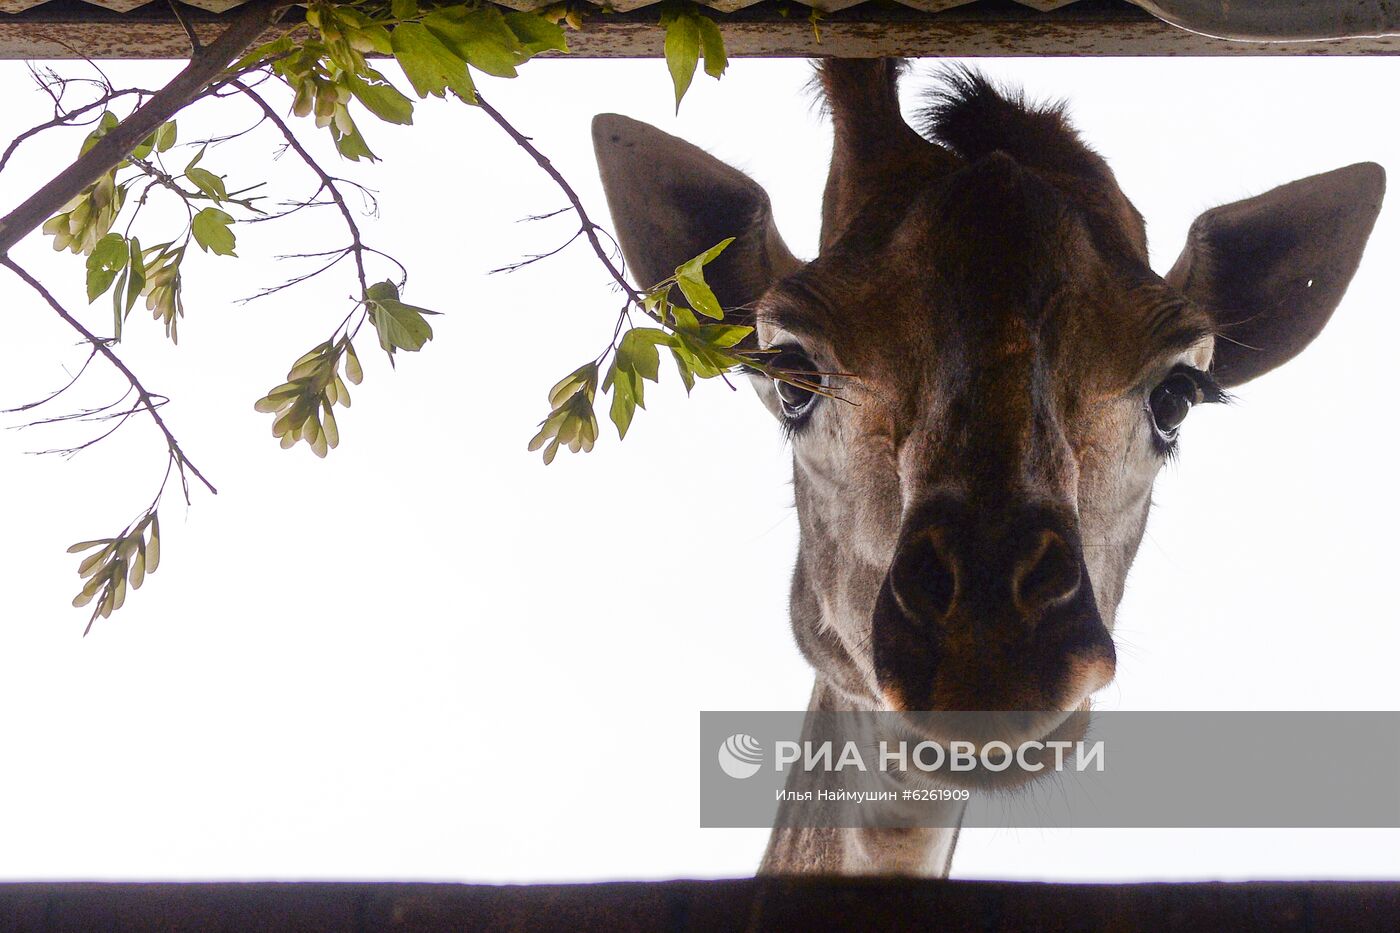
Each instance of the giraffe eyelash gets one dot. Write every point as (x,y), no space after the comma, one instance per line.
(1207,392)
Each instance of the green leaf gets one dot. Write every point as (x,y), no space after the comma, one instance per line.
(684,318)
(119,306)
(400,326)
(160,140)
(683,367)
(381,99)
(711,46)
(273,49)
(352,146)
(537,34)
(404,9)
(108,258)
(682,48)
(431,67)
(211,231)
(165,136)
(480,37)
(211,185)
(709,255)
(723,336)
(144,147)
(135,275)
(700,297)
(639,347)
(379,291)
(624,403)
(369,38)
(105,124)
(690,276)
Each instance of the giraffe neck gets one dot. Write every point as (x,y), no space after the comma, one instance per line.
(920,851)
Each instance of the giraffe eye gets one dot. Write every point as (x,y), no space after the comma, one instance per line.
(796,398)
(1171,401)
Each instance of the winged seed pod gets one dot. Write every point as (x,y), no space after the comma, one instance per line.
(304,403)
(162,290)
(118,563)
(87,218)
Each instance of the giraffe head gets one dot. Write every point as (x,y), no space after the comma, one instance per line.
(1008,372)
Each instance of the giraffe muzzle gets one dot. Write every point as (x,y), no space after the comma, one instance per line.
(989,610)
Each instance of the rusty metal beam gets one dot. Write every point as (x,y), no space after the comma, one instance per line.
(69,29)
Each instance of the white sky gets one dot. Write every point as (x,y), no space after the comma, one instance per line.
(429,656)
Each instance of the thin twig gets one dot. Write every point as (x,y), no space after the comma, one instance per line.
(92,354)
(195,45)
(327,182)
(590,229)
(145,399)
(66,118)
(536,257)
(100,413)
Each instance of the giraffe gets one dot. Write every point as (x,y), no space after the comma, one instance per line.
(971,500)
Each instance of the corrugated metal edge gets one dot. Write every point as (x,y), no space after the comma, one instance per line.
(621,6)
(58,30)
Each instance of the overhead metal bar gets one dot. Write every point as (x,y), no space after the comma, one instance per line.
(65,29)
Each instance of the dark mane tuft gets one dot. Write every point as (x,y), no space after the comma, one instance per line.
(970,115)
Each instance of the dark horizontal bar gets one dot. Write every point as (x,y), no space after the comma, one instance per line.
(72,29)
(710,906)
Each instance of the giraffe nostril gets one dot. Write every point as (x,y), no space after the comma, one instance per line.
(925,577)
(1047,577)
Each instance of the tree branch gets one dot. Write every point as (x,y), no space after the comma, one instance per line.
(357,247)
(248,24)
(145,399)
(590,229)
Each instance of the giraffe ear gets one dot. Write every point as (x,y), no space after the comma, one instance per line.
(671,201)
(1272,269)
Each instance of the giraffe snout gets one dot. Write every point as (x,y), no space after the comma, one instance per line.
(989,610)
(955,562)
(1048,576)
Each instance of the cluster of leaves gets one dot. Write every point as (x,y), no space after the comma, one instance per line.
(690,36)
(84,227)
(700,351)
(119,563)
(436,49)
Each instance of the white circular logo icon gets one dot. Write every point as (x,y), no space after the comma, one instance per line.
(740,755)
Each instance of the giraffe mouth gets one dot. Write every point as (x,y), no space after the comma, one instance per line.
(981,729)
(1012,749)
